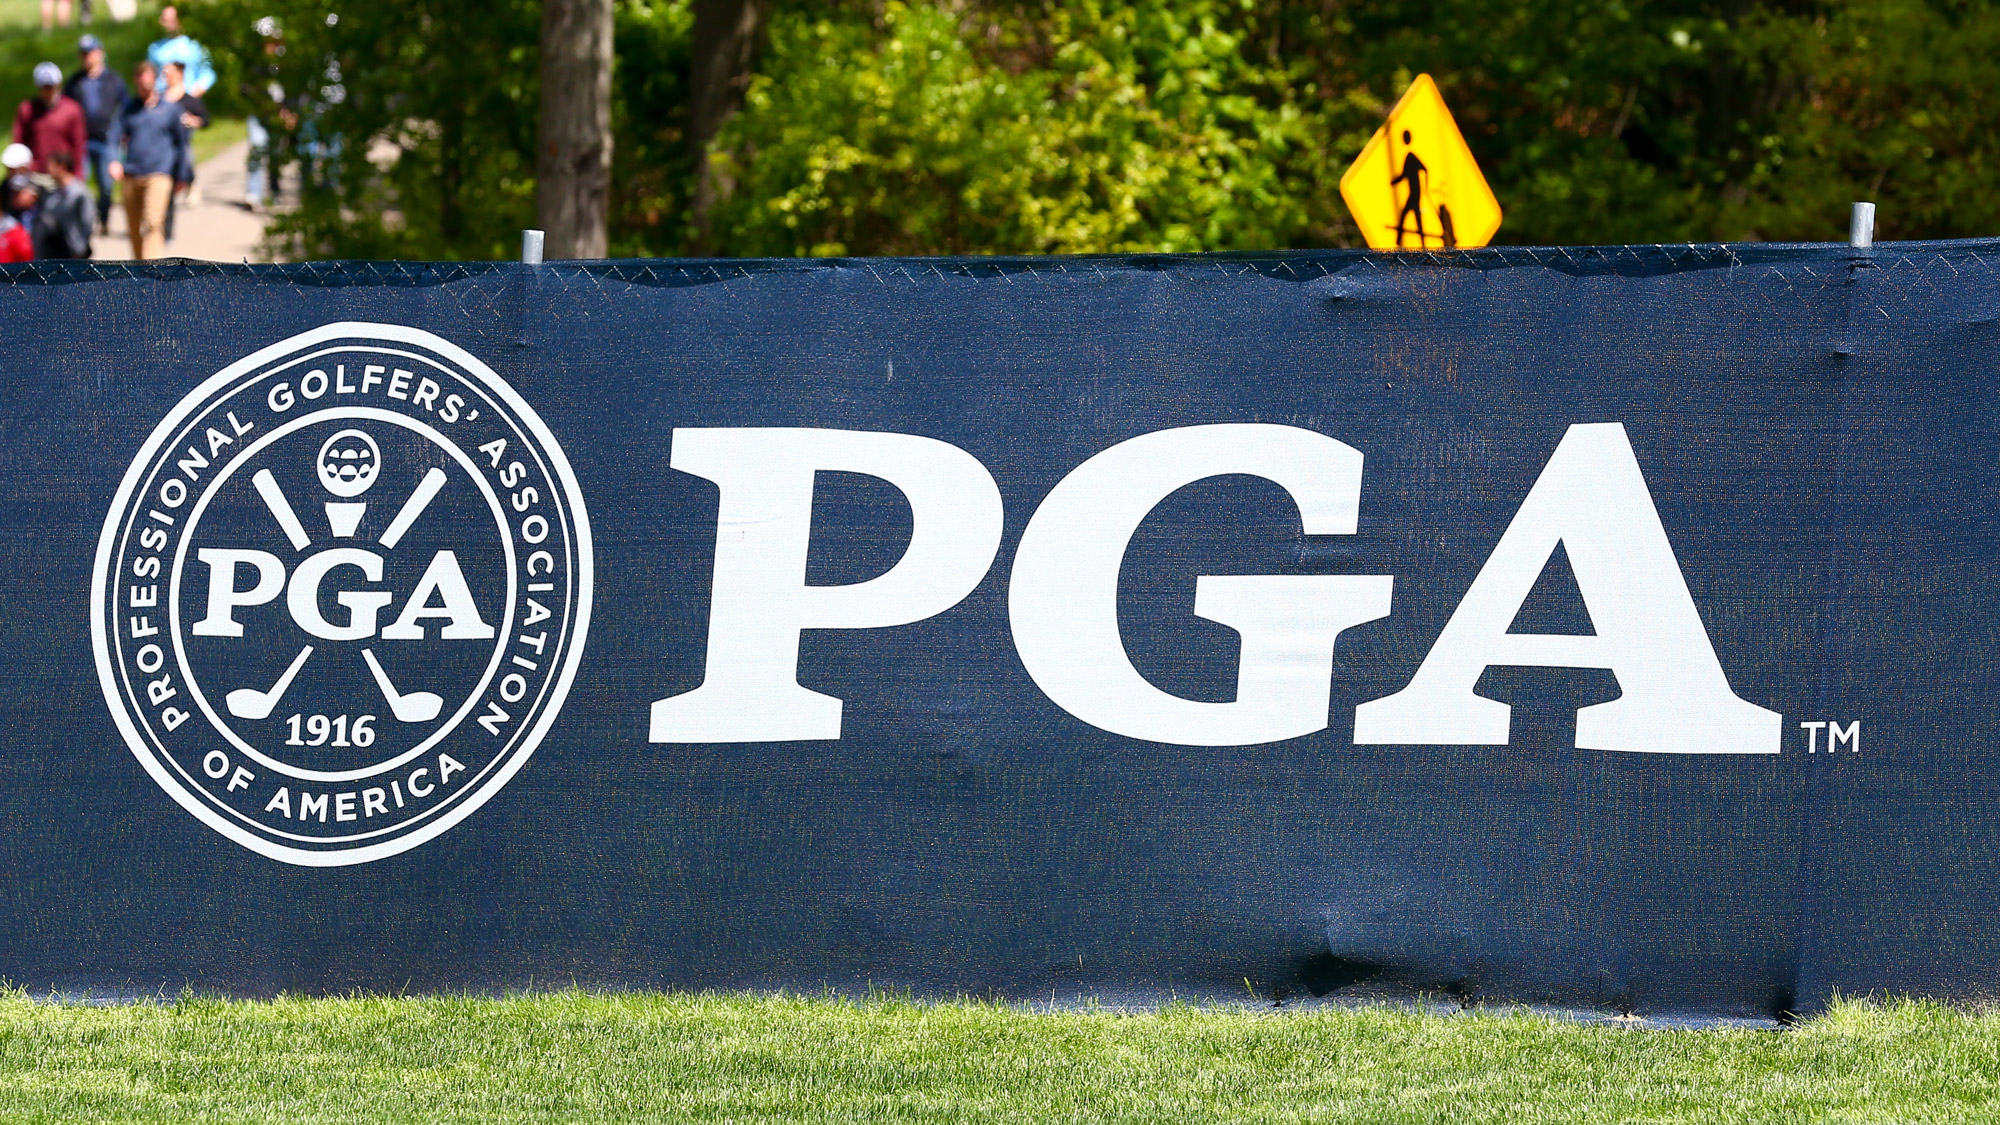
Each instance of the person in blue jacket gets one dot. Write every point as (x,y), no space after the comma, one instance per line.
(149,148)
(177,47)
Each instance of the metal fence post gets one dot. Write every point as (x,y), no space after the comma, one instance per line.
(1860,228)
(531,244)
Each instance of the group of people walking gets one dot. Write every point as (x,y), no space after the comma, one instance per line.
(137,137)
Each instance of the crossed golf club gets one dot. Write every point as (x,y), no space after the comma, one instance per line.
(414,707)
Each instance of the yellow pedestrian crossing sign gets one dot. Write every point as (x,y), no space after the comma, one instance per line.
(1415,184)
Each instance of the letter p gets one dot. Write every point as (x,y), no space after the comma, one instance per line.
(760,601)
(224,597)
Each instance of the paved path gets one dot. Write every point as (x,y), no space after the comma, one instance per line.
(215,229)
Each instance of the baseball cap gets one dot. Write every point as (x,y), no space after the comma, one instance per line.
(88,44)
(21,183)
(16,156)
(48,74)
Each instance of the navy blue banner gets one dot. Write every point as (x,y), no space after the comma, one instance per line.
(1600,627)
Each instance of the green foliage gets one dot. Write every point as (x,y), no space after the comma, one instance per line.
(124,45)
(573,1056)
(651,168)
(1132,127)
(1897,102)
(1222,124)
(1031,126)
(416,118)
(1677,120)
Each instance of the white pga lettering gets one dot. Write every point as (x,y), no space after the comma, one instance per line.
(443,583)
(1062,596)
(1675,699)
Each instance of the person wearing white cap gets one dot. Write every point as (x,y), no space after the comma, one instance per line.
(17,158)
(50,122)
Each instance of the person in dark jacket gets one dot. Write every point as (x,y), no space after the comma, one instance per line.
(194,115)
(50,122)
(149,145)
(65,218)
(101,93)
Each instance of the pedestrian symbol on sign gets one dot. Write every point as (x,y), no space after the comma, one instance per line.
(1415,184)
(1413,193)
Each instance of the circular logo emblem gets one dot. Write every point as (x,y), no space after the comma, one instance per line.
(342,593)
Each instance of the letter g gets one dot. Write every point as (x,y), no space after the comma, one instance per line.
(1063,601)
(303,596)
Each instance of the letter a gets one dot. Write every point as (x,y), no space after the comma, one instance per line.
(444,579)
(1592,499)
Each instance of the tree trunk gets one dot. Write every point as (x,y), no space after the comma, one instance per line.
(573,164)
(725,44)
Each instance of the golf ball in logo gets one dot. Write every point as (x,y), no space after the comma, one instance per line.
(342,594)
(349,463)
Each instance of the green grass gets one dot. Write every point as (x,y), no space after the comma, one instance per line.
(220,134)
(23,44)
(26,15)
(576,1057)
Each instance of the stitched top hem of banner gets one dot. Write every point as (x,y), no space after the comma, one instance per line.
(1295,265)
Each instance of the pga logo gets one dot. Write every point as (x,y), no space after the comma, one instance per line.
(1062,596)
(342,593)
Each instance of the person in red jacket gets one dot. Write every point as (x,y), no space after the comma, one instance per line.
(50,122)
(21,195)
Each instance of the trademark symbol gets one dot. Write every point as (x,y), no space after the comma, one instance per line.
(1835,735)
